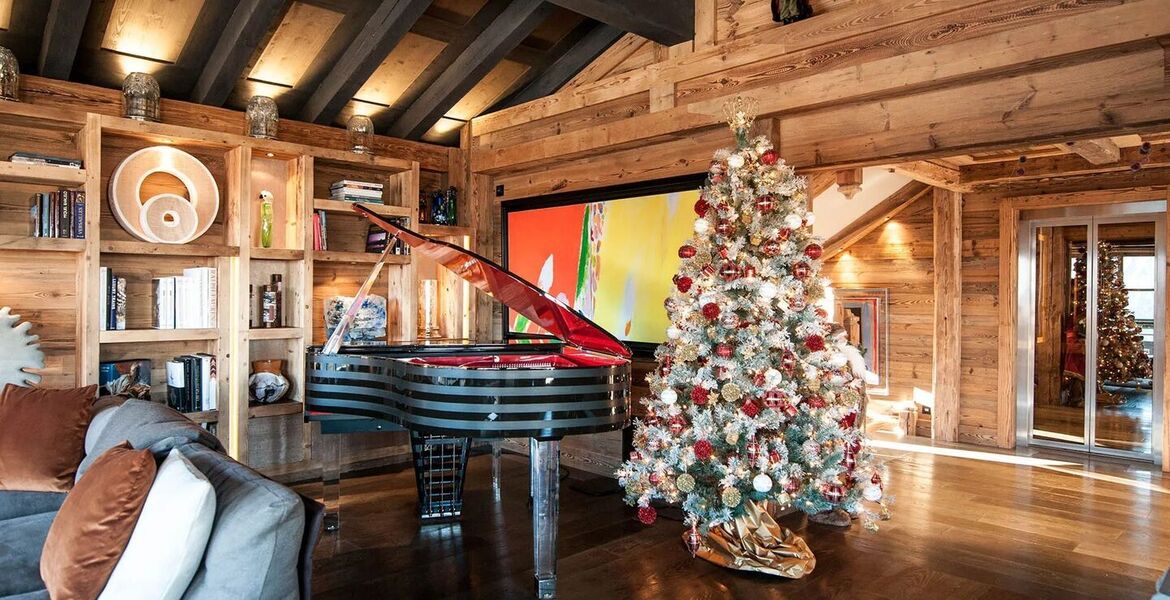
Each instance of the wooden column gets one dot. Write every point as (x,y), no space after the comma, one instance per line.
(1009,226)
(1166,376)
(948,244)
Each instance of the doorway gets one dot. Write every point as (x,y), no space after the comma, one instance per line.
(1092,289)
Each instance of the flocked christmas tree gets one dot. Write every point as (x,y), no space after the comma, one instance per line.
(753,404)
(1121,357)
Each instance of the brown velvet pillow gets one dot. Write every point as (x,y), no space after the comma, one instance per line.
(42,436)
(90,532)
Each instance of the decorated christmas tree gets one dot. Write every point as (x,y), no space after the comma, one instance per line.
(753,404)
(1121,356)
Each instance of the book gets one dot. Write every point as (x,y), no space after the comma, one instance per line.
(104,297)
(164,303)
(129,378)
(64,214)
(35,217)
(370,185)
(119,304)
(324,231)
(191,371)
(210,379)
(79,215)
(176,384)
(111,301)
(44,159)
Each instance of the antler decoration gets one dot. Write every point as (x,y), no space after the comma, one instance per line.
(19,350)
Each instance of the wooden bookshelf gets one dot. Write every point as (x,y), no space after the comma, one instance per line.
(342,206)
(277,254)
(275,409)
(276,333)
(358,257)
(445,231)
(48,175)
(147,248)
(24,242)
(146,336)
(204,416)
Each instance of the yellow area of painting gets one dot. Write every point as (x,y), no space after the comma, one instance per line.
(638,258)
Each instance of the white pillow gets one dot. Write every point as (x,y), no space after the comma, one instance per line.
(167,544)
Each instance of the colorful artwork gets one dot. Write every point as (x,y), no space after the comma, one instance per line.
(128,378)
(611,260)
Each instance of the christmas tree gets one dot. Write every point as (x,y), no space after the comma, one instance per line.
(753,403)
(1121,356)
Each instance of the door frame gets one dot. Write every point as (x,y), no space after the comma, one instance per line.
(1091,216)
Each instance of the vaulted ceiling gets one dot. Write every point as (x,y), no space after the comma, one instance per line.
(419,68)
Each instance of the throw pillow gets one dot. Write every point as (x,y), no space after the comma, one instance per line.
(42,436)
(168,542)
(94,524)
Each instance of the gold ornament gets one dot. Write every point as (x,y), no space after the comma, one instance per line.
(731,392)
(731,497)
(685,483)
(756,240)
(732,437)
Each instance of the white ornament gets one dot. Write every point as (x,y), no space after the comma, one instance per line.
(768,290)
(762,483)
(19,351)
(673,332)
(809,219)
(792,220)
(837,360)
(668,396)
(772,377)
(872,492)
(735,161)
(702,226)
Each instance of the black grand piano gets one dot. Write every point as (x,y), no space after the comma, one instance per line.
(445,394)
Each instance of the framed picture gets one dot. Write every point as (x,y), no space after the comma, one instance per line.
(129,378)
(864,314)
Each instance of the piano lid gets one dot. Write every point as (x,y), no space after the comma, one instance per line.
(515,292)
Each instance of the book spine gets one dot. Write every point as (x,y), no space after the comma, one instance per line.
(212,297)
(194,385)
(324,232)
(66,203)
(46,218)
(170,305)
(104,297)
(316,231)
(176,382)
(157,318)
(111,302)
(120,305)
(79,215)
(35,217)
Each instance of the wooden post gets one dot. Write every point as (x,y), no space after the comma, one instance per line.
(1005,418)
(1166,378)
(232,346)
(88,286)
(948,243)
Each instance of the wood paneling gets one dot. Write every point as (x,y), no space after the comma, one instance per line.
(155,29)
(300,36)
(400,69)
(5,14)
(948,243)
(494,86)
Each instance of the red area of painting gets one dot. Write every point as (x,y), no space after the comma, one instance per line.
(534,235)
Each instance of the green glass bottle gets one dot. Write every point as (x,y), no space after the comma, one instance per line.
(265,219)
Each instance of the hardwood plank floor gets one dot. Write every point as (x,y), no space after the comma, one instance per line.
(968,524)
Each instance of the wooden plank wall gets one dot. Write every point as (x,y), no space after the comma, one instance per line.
(978,413)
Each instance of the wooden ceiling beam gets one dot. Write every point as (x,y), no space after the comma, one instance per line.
(984,175)
(875,217)
(247,27)
(504,33)
(849,182)
(667,22)
(568,64)
(385,28)
(932,173)
(63,29)
(1101,151)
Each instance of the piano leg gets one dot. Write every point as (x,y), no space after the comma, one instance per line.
(331,481)
(546,459)
(497,447)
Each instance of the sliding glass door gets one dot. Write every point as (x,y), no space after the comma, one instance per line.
(1091,292)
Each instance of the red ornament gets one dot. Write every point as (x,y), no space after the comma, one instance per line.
(814,343)
(708,269)
(788,361)
(749,272)
(703,449)
(753,451)
(849,461)
(750,409)
(654,478)
(702,206)
(769,157)
(699,395)
(677,424)
(687,251)
(716,178)
(849,420)
(652,418)
(647,515)
(774,399)
(684,284)
(725,227)
(711,310)
(774,456)
(833,492)
(813,251)
(800,270)
(694,540)
(766,203)
(723,253)
(791,485)
(784,234)
(729,271)
(724,350)
(822,313)
(771,248)
(815,401)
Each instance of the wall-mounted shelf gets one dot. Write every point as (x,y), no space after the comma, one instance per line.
(141,336)
(122,247)
(433,230)
(276,409)
(276,333)
(23,242)
(341,206)
(41,174)
(358,257)
(204,416)
(277,254)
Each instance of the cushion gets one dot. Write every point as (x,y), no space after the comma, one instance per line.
(147,424)
(21,540)
(168,541)
(94,524)
(103,413)
(256,538)
(18,504)
(42,436)
(37,595)
(314,520)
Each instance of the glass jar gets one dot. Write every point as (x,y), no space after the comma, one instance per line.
(140,97)
(9,75)
(361,129)
(263,117)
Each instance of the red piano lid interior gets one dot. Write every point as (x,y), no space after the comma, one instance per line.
(519,361)
(515,292)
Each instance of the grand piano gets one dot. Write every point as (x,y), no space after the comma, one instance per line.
(446,394)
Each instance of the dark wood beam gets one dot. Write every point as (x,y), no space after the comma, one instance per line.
(385,28)
(248,26)
(63,29)
(504,33)
(439,29)
(667,22)
(568,64)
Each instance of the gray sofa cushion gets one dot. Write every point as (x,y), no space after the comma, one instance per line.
(37,595)
(18,504)
(21,541)
(256,539)
(150,425)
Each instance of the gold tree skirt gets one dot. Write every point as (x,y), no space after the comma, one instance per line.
(755,542)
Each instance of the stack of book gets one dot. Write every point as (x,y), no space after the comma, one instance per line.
(58,214)
(356,191)
(377,238)
(320,232)
(29,158)
(187,301)
(111,300)
(192,383)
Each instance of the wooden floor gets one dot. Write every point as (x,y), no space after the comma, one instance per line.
(976,526)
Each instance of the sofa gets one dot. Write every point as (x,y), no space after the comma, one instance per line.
(262,535)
